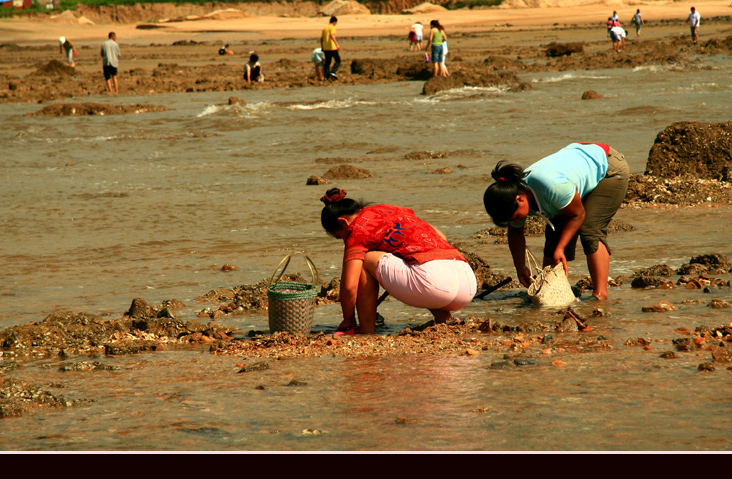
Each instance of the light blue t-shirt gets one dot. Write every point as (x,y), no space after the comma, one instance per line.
(555,178)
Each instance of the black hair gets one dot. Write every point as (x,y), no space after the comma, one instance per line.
(254,58)
(337,206)
(499,198)
(333,19)
(436,24)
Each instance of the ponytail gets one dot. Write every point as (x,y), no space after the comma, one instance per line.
(436,24)
(499,198)
(337,206)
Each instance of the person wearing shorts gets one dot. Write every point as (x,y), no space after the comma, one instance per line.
(418,30)
(389,246)
(436,40)
(577,190)
(318,57)
(110,62)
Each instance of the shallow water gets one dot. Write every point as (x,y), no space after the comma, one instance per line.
(96,211)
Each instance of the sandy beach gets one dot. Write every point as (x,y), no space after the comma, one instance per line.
(498,19)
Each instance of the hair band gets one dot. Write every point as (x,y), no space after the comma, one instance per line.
(334,197)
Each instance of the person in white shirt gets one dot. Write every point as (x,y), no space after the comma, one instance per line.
(418,30)
(693,21)
(618,36)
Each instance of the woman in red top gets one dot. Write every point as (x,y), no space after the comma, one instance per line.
(391,247)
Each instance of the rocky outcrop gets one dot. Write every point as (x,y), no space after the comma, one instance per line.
(474,78)
(701,150)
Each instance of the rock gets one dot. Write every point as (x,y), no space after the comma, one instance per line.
(317,180)
(526,362)
(442,171)
(229,267)
(502,364)
(592,95)
(348,172)
(700,150)
(719,304)
(683,344)
(668,355)
(101,109)
(474,78)
(236,101)
(707,367)
(713,262)
(722,354)
(644,281)
(195,326)
(660,307)
(563,49)
(139,309)
(258,366)
(657,270)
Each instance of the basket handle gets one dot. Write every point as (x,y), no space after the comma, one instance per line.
(531,259)
(286,261)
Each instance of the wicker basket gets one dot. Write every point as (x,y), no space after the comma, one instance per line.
(291,304)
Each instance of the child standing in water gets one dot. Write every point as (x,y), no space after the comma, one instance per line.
(389,246)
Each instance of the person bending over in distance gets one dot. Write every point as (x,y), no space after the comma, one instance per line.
(389,246)
(577,190)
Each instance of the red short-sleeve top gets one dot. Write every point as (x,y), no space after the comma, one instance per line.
(398,231)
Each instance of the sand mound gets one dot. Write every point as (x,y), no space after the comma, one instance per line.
(227,14)
(70,18)
(560,3)
(55,68)
(340,7)
(425,8)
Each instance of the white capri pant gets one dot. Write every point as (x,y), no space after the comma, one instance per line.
(446,284)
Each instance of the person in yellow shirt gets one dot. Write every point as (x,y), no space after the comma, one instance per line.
(330,47)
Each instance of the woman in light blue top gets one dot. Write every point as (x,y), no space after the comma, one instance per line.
(577,190)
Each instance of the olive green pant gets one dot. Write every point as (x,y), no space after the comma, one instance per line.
(600,205)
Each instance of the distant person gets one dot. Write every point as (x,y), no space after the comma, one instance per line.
(618,36)
(330,47)
(693,21)
(615,18)
(65,44)
(418,30)
(253,70)
(412,40)
(610,24)
(437,38)
(444,56)
(225,50)
(638,22)
(318,57)
(110,62)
